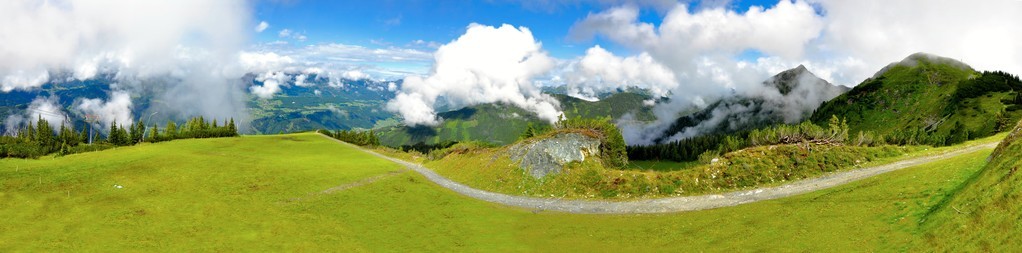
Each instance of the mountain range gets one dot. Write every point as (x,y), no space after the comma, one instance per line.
(939,97)
(788,97)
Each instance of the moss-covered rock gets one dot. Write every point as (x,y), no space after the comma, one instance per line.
(545,156)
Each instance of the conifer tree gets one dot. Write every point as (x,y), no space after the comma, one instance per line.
(135,132)
(44,134)
(231,128)
(112,137)
(29,133)
(154,136)
(171,132)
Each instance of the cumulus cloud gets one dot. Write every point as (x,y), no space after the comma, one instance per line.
(271,84)
(117,108)
(691,55)
(601,71)
(485,65)
(782,30)
(262,26)
(841,41)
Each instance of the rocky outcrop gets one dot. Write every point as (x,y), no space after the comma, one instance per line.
(548,156)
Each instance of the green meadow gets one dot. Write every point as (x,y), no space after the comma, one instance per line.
(305,192)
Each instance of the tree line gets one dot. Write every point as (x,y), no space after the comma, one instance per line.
(989,81)
(357,137)
(708,146)
(39,139)
(836,133)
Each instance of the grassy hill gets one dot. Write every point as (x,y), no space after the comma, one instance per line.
(938,100)
(266,193)
(984,215)
(501,124)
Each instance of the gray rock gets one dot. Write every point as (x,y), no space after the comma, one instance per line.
(548,156)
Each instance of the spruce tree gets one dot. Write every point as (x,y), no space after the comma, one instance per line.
(155,135)
(123,134)
(112,137)
(171,132)
(44,135)
(231,128)
(133,133)
(30,133)
(62,135)
(84,136)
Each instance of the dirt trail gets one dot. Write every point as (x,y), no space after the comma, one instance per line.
(676,204)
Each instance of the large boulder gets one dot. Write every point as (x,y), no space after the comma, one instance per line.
(549,155)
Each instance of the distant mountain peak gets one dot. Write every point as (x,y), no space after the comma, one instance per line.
(921,57)
(788,80)
(801,92)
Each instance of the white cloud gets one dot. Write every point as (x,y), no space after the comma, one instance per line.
(338,61)
(289,34)
(783,30)
(354,75)
(189,46)
(983,35)
(19,79)
(601,71)
(691,54)
(841,41)
(263,62)
(83,38)
(356,54)
(47,108)
(427,44)
(485,65)
(117,108)
(271,84)
(262,26)
(554,5)
(300,80)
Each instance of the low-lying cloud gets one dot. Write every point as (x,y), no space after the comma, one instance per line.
(47,108)
(117,108)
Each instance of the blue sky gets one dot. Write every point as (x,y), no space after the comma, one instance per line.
(393,23)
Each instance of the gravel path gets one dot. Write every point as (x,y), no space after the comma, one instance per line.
(676,204)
